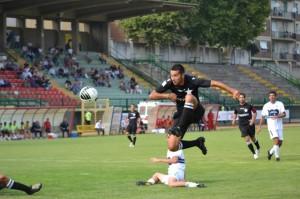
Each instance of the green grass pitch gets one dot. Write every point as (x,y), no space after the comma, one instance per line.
(106,168)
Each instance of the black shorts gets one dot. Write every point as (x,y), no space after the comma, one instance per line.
(247,130)
(131,129)
(195,117)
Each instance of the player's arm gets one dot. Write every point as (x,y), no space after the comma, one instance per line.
(253,118)
(234,118)
(154,95)
(160,92)
(235,93)
(261,121)
(165,160)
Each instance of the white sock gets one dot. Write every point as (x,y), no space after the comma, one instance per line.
(276,150)
(272,150)
(191,184)
(151,181)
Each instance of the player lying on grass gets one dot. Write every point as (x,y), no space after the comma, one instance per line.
(176,172)
(6,182)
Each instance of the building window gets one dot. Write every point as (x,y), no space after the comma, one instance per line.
(66,26)
(30,23)
(11,22)
(49,25)
(83,27)
(263,45)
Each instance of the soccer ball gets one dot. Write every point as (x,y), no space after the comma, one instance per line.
(88,94)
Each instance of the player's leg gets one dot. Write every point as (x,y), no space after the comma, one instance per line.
(6,182)
(181,124)
(275,149)
(249,144)
(134,135)
(254,139)
(156,178)
(185,118)
(128,130)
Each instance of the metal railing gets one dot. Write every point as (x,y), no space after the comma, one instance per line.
(282,73)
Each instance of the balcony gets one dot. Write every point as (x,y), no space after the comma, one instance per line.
(283,56)
(263,54)
(284,36)
(279,14)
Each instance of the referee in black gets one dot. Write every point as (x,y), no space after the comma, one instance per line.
(133,120)
(247,116)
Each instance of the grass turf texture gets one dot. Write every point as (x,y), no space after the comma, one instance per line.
(105,167)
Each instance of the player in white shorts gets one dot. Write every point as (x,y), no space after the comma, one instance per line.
(176,172)
(273,111)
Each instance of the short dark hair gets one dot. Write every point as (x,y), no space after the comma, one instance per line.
(178,67)
(243,94)
(273,92)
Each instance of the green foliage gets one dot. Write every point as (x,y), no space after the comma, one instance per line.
(217,22)
(154,29)
(227,22)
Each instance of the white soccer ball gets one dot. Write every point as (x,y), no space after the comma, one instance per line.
(88,94)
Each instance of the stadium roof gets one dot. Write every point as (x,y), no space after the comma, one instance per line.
(88,10)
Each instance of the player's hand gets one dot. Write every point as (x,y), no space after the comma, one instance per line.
(258,130)
(236,94)
(154,160)
(172,97)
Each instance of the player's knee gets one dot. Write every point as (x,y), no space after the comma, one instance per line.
(190,98)
(172,147)
(3,180)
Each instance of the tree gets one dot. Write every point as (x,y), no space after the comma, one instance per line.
(226,23)
(161,29)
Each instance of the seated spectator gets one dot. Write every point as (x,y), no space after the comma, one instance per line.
(64,128)
(4,83)
(36,129)
(138,90)
(99,127)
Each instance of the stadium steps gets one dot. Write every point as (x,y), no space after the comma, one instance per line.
(15,56)
(264,82)
(127,72)
(199,74)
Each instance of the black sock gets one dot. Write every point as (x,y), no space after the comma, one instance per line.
(250,146)
(184,120)
(189,143)
(134,140)
(129,138)
(18,186)
(257,144)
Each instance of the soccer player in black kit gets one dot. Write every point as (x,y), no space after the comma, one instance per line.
(247,116)
(6,182)
(133,120)
(184,92)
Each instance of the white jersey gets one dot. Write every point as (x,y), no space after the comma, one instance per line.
(273,109)
(176,167)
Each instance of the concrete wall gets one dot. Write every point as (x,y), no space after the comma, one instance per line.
(176,53)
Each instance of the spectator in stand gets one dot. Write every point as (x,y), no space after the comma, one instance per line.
(132,84)
(122,86)
(4,83)
(47,126)
(64,128)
